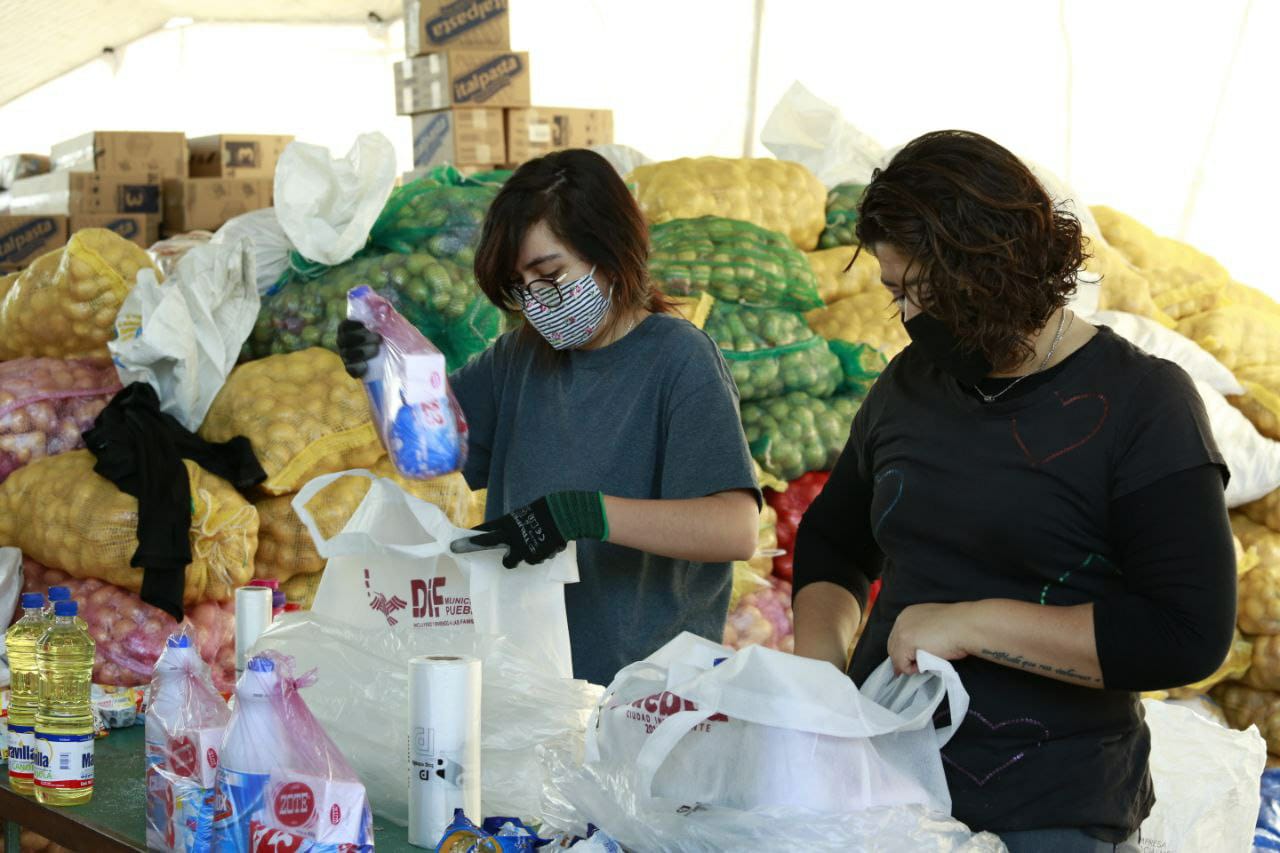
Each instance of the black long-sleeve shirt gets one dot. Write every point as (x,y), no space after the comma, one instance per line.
(1098,481)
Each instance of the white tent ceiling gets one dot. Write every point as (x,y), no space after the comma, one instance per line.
(45,38)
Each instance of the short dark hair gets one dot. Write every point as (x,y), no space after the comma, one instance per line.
(998,255)
(587,206)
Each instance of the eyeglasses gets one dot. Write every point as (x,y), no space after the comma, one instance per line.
(544,291)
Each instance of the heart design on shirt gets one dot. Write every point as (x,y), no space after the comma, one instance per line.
(1087,430)
(1025,723)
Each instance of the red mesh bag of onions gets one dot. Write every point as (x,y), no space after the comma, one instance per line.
(131,634)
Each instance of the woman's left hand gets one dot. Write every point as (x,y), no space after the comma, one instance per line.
(940,629)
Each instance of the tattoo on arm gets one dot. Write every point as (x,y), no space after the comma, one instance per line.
(1021,663)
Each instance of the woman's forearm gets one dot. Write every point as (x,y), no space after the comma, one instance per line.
(826,623)
(715,529)
(1053,642)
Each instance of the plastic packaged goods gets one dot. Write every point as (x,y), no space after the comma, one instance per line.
(304,415)
(280,779)
(418,419)
(62,514)
(64,717)
(46,403)
(734,261)
(64,305)
(185,727)
(24,691)
(130,634)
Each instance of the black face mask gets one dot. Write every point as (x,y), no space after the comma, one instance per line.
(940,345)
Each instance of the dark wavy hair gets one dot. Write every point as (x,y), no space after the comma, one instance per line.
(587,206)
(997,255)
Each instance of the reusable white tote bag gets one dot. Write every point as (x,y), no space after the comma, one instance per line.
(391,565)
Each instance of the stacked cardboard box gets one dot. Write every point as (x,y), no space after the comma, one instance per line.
(230,174)
(468,92)
(101,179)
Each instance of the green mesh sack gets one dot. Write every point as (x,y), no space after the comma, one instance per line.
(436,295)
(732,260)
(842,216)
(771,351)
(442,221)
(860,366)
(796,433)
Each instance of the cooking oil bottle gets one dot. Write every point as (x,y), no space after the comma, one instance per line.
(64,718)
(21,640)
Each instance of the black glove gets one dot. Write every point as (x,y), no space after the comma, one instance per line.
(542,529)
(357,346)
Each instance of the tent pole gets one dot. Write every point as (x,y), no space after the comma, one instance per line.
(753,75)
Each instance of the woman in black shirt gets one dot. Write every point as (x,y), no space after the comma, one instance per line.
(1043,501)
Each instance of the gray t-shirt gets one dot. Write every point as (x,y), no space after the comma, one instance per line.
(654,415)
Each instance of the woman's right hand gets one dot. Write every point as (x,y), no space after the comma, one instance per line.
(357,346)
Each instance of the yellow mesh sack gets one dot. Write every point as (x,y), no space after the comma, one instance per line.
(865,318)
(6,282)
(752,575)
(301,589)
(1260,402)
(1258,603)
(1258,539)
(475,517)
(1120,286)
(1184,281)
(1239,660)
(304,415)
(1246,706)
(1236,294)
(774,194)
(1265,511)
(834,283)
(64,305)
(285,548)
(1264,671)
(695,309)
(63,515)
(1236,335)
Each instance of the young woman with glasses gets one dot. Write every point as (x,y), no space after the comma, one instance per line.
(604,418)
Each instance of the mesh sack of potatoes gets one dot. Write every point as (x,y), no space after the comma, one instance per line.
(1239,660)
(1260,402)
(63,515)
(1120,286)
(1247,706)
(285,548)
(1265,511)
(1236,335)
(837,279)
(64,305)
(1257,539)
(1184,281)
(869,317)
(303,414)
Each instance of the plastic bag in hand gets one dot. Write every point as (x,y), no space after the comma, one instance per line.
(185,728)
(418,419)
(282,784)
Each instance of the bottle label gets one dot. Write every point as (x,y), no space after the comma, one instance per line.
(64,761)
(22,751)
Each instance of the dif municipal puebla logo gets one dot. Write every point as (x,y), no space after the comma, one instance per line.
(427,601)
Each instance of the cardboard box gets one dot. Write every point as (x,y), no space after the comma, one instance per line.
(25,238)
(140,228)
(17,166)
(460,137)
(534,131)
(63,193)
(123,152)
(462,78)
(236,155)
(206,203)
(431,25)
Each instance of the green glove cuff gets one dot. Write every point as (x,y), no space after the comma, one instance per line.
(579,515)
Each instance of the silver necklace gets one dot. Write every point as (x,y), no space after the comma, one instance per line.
(1057,339)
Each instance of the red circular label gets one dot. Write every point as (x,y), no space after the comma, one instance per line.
(211,756)
(183,758)
(335,815)
(294,804)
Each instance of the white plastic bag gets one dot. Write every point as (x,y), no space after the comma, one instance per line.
(1206,780)
(327,207)
(183,337)
(699,747)
(807,130)
(391,565)
(1149,336)
(365,699)
(1252,459)
(268,243)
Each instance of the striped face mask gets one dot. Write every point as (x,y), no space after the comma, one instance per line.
(576,319)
